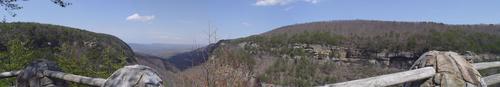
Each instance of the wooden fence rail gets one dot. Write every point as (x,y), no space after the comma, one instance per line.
(486,65)
(389,79)
(75,78)
(9,74)
(492,79)
(86,80)
(412,75)
(129,76)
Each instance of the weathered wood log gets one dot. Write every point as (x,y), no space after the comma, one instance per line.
(9,74)
(389,79)
(486,65)
(492,79)
(75,78)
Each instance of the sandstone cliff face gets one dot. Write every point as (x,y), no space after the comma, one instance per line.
(343,55)
(346,55)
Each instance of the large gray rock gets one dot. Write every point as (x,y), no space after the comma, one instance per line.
(452,70)
(134,76)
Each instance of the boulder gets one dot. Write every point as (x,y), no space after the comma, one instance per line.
(452,70)
(134,76)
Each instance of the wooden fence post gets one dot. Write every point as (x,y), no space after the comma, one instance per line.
(32,75)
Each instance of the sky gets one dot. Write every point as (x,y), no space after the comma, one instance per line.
(188,21)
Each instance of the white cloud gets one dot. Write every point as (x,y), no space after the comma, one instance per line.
(312,1)
(272,2)
(281,2)
(138,17)
(246,24)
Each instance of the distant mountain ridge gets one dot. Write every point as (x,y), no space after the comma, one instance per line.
(371,27)
(193,58)
(162,50)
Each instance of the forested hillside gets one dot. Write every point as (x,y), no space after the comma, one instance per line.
(75,51)
(395,36)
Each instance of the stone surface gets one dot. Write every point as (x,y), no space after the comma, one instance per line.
(452,70)
(340,54)
(134,76)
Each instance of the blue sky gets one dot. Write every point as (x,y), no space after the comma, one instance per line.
(187,21)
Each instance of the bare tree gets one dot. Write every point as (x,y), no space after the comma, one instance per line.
(212,34)
(212,38)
